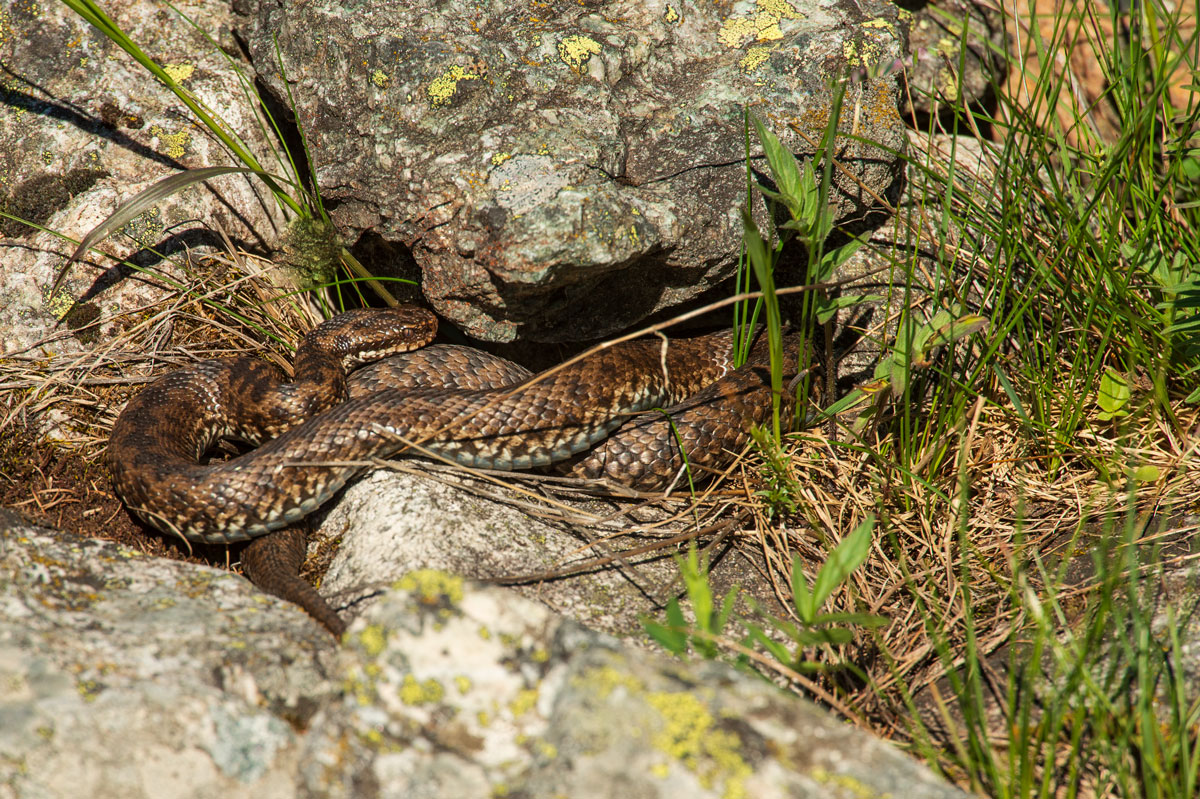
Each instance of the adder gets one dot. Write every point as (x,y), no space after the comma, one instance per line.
(319,430)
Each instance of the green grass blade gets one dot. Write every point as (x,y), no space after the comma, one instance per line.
(140,202)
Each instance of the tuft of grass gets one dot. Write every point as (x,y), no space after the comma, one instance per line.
(310,229)
(1030,417)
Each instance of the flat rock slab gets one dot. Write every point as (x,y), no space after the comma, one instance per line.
(126,676)
(392,523)
(560,172)
(396,523)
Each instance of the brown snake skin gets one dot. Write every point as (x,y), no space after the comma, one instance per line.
(455,402)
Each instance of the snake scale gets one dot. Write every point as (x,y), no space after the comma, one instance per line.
(319,430)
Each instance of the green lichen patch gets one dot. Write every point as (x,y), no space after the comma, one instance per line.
(311,250)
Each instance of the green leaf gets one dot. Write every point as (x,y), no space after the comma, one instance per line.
(954,329)
(675,614)
(1145,474)
(857,619)
(671,636)
(845,558)
(695,578)
(801,596)
(786,627)
(1011,393)
(827,308)
(777,650)
(1113,396)
(784,170)
(726,610)
(849,401)
(756,249)
(833,636)
(834,258)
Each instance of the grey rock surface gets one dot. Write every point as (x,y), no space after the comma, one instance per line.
(125,676)
(128,676)
(83,128)
(476,692)
(395,522)
(561,173)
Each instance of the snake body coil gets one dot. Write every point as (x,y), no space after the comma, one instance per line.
(446,402)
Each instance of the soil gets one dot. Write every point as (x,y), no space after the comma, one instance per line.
(71,490)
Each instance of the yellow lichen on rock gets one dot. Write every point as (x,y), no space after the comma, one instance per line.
(754,58)
(178,72)
(762,25)
(524,702)
(576,51)
(425,692)
(373,639)
(430,585)
(688,736)
(441,91)
(172,144)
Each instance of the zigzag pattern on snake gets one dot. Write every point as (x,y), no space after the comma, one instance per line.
(312,442)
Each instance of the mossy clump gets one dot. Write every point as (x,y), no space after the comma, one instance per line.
(79,319)
(311,252)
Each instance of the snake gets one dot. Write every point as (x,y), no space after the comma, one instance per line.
(367,385)
(316,432)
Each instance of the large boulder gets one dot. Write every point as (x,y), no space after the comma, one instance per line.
(561,173)
(123,676)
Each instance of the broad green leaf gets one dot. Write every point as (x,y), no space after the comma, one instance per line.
(834,258)
(672,640)
(834,636)
(843,560)
(955,329)
(756,248)
(1113,395)
(828,308)
(777,650)
(695,578)
(786,627)
(784,170)
(857,619)
(801,596)
(1145,474)
(850,400)
(726,609)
